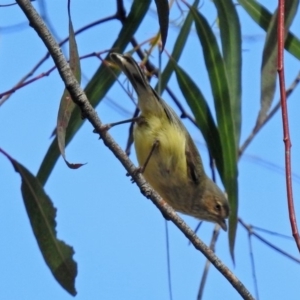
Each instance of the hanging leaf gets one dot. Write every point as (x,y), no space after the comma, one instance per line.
(163,18)
(66,104)
(177,50)
(41,213)
(201,111)
(219,83)
(230,29)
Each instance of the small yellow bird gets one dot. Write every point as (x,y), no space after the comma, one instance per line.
(169,158)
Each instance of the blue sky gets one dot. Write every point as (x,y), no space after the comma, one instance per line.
(118,236)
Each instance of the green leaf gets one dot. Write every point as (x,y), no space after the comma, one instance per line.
(178,48)
(66,104)
(41,213)
(98,86)
(201,111)
(230,29)
(263,17)
(220,89)
(269,60)
(163,18)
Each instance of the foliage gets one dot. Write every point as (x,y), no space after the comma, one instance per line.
(220,125)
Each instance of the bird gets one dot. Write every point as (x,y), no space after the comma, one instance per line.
(168,157)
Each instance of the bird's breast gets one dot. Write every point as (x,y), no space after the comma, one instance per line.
(166,170)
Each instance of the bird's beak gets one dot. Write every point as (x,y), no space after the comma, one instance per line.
(223,224)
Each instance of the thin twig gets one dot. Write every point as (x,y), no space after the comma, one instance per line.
(20,85)
(212,166)
(196,229)
(47,55)
(272,232)
(116,106)
(259,126)
(81,100)
(250,228)
(212,245)
(168,260)
(271,166)
(285,122)
(253,264)
(6,5)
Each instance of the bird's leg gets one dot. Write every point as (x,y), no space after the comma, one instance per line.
(154,146)
(108,126)
(141,169)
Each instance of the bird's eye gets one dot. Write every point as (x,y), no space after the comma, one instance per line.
(218,207)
